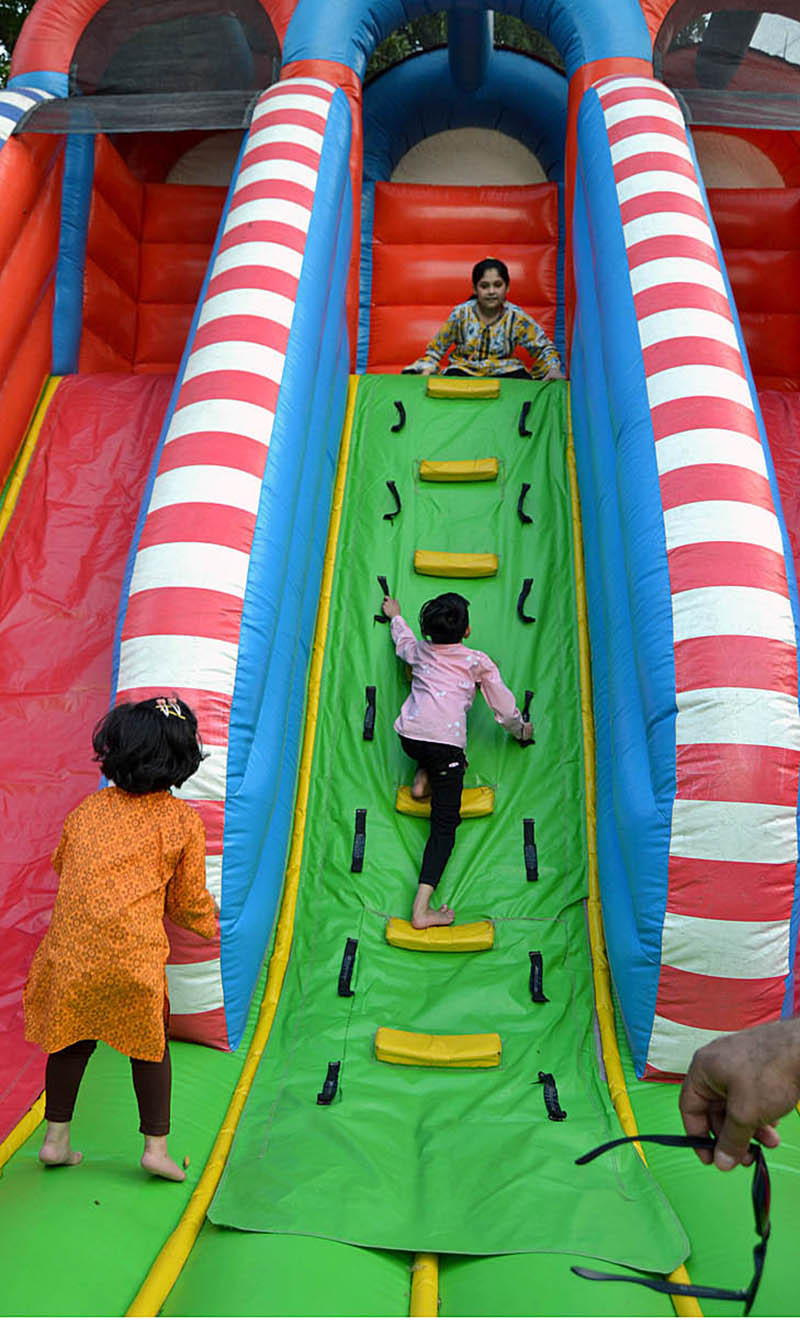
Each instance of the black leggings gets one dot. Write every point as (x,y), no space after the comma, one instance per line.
(445,766)
(152,1083)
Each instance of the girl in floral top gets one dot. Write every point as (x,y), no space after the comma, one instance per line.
(484,332)
(129,854)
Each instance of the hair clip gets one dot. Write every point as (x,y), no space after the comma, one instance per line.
(169,708)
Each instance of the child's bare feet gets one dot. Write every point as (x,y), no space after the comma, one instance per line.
(421,786)
(55,1149)
(423,915)
(157,1160)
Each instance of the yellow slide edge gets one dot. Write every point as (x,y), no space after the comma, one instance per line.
(461,566)
(471,938)
(26,453)
(459,471)
(420,1050)
(475,802)
(471,389)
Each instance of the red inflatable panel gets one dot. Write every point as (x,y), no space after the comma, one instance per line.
(109,323)
(118,185)
(23,383)
(29,269)
(161,335)
(455,214)
(181,213)
(172,273)
(24,164)
(61,566)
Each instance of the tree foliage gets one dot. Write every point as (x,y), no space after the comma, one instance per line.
(430,31)
(12,16)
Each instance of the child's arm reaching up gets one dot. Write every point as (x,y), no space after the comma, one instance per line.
(502,703)
(404,639)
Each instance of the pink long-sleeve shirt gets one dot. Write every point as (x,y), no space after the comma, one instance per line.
(443,682)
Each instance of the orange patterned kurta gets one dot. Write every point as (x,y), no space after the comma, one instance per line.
(98,974)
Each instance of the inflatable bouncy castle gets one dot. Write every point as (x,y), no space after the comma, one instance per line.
(225,231)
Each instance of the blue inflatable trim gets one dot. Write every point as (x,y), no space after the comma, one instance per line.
(76,196)
(44,79)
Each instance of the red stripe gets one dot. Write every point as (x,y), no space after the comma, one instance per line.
(731,890)
(659,247)
(307,90)
(242,327)
(702,411)
(212,813)
(297,152)
(735,660)
(717,483)
(202,1028)
(696,565)
(199,522)
(289,190)
(645,124)
(213,711)
(643,162)
(183,611)
(731,772)
(185,947)
(276,116)
(231,449)
(717,1003)
(611,96)
(264,232)
(253,278)
(669,295)
(648,203)
(678,351)
(228,384)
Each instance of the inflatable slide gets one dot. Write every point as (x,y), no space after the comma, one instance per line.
(220,245)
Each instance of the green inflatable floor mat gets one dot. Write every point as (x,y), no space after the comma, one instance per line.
(411,1158)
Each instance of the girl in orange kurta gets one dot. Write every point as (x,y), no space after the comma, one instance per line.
(128,854)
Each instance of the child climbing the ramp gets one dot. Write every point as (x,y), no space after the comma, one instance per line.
(432,726)
(129,854)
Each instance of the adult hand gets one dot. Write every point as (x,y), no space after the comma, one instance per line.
(737,1088)
(391,608)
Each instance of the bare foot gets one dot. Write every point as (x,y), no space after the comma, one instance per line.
(157,1160)
(55,1149)
(423,917)
(421,786)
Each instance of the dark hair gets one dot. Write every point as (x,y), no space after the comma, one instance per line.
(148,746)
(485,265)
(444,620)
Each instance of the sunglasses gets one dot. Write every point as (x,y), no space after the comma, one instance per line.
(760,1193)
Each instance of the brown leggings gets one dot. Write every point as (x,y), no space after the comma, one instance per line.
(152,1083)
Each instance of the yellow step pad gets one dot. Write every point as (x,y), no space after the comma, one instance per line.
(472,938)
(475,801)
(470,389)
(481,1050)
(461,566)
(459,471)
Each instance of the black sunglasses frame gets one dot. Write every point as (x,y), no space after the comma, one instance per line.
(760,1193)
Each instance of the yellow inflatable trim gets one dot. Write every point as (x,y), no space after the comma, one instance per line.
(472,938)
(26,452)
(475,801)
(459,471)
(471,389)
(480,1050)
(462,566)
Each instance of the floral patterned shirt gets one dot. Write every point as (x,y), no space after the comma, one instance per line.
(487,350)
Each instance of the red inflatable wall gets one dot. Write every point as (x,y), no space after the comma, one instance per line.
(426,239)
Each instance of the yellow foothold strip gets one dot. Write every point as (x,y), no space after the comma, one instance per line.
(459,471)
(461,566)
(471,938)
(475,801)
(480,1050)
(470,389)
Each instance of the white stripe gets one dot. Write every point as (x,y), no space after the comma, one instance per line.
(738,715)
(6,125)
(209,783)
(213,873)
(290,83)
(710,446)
(283,133)
(279,211)
(638,107)
(190,566)
(303,101)
(172,662)
(658,224)
(676,384)
(657,181)
(676,323)
(21,100)
(194,987)
(722,522)
(647,144)
(248,302)
(730,950)
(277,168)
(732,610)
(258,253)
(218,484)
(733,831)
(613,84)
(225,356)
(672,1044)
(222,416)
(676,271)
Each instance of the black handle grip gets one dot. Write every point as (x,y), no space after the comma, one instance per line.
(346,970)
(523,515)
(525,711)
(369,716)
(401,411)
(531,855)
(523,415)
(359,842)
(392,486)
(331,1084)
(554,1110)
(523,594)
(384,584)
(535,979)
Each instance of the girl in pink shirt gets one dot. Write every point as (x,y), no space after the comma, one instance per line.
(432,725)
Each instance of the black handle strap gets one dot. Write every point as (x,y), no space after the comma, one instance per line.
(331,1084)
(535,980)
(346,970)
(392,486)
(554,1110)
(359,842)
(531,857)
(525,711)
(384,584)
(664,1286)
(401,413)
(523,416)
(523,594)
(369,715)
(524,517)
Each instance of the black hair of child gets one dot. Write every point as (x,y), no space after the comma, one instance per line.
(444,620)
(148,746)
(485,265)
